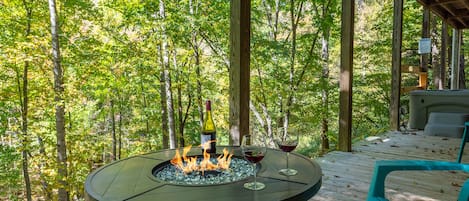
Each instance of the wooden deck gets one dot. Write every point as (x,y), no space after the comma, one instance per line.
(346,176)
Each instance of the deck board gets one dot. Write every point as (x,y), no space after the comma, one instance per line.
(347,175)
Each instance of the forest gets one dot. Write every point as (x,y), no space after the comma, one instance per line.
(85,83)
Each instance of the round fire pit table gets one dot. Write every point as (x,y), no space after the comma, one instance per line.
(132,179)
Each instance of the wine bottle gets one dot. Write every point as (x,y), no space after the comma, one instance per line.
(209,132)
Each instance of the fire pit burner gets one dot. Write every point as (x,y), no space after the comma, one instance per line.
(239,169)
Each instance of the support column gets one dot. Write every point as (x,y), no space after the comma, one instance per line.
(444,41)
(240,30)
(396,65)
(346,75)
(424,58)
(455,47)
(425,34)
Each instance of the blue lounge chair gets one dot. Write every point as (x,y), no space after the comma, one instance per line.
(383,168)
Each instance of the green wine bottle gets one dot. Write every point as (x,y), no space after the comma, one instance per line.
(208,135)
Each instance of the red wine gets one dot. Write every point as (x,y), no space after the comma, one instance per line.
(253,158)
(287,148)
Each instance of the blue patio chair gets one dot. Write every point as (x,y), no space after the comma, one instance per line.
(465,138)
(383,168)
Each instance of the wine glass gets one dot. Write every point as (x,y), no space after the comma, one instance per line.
(287,140)
(254,152)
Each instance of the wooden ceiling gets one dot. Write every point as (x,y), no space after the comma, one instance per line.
(454,12)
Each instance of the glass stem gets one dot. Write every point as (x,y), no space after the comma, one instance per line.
(288,153)
(255,177)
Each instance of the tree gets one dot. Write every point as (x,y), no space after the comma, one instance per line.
(195,44)
(326,9)
(23,96)
(164,51)
(59,104)
(284,64)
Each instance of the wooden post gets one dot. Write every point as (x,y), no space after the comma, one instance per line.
(444,41)
(240,29)
(346,75)
(396,65)
(456,47)
(425,34)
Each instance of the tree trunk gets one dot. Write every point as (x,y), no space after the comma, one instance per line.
(167,80)
(180,134)
(59,105)
(113,132)
(293,84)
(325,81)
(169,105)
(290,95)
(164,109)
(272,20)
(200,108)
(119,143)
(272,13)
(196,48)
(267,123)
(145,116)
(181,119)
(23,94)
(44,184)
(24,129)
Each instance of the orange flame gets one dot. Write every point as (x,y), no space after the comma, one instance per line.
(189,164)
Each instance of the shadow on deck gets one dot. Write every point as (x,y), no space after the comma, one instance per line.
(346,176)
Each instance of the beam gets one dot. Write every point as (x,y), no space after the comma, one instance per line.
(459,18)
(396,65)
(462,22)
(240,29)
(466,4)
(457,21)
(448,10)
(444,9)
(464,15)
(437,3)
(346,76)
(455,47)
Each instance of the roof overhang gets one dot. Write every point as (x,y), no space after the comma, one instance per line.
(453,12)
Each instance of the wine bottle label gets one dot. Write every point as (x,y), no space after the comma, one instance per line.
(204,139)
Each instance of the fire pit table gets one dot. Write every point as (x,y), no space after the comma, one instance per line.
(134,179)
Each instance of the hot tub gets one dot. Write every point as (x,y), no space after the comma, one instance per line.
(423,102)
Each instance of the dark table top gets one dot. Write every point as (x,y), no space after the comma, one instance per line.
(131,179)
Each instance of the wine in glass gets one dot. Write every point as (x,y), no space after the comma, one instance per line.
(287,142)
(254,152)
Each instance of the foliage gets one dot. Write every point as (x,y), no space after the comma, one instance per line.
(10,175)
(112,58)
